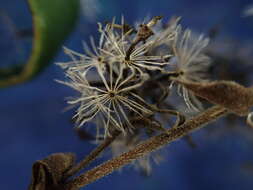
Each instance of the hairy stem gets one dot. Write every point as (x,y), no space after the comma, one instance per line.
(148,146)
(92,156)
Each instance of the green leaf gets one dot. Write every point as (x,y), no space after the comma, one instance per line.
(53,20)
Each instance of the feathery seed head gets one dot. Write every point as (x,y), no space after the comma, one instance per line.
(190,62)
(110,76)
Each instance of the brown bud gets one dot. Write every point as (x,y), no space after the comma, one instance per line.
(144,32)
(231,95)
(154,20)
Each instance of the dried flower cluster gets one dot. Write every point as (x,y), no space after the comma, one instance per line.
(127,76)
(124,83)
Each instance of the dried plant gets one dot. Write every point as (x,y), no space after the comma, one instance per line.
(125,86)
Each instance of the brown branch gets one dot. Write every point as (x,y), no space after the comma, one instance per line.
(92,156)
(147,147)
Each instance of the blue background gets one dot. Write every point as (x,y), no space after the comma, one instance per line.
(33,124)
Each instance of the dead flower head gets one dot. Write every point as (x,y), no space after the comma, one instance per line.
(111,102)
(110,76)
(191,63)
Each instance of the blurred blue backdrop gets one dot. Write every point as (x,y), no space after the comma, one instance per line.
(33,124)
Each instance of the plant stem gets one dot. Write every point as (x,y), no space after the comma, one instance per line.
(148,146)
(92,156)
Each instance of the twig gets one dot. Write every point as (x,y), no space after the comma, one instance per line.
(147,147)
(92,156)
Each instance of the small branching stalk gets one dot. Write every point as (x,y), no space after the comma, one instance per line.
(91,157)
(147,147)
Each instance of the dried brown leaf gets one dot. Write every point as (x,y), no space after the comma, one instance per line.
(47,173)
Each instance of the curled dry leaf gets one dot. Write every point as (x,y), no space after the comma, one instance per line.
(231,95)
(47,173)
(249,119)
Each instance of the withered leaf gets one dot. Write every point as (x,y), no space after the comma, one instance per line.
(47,173)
